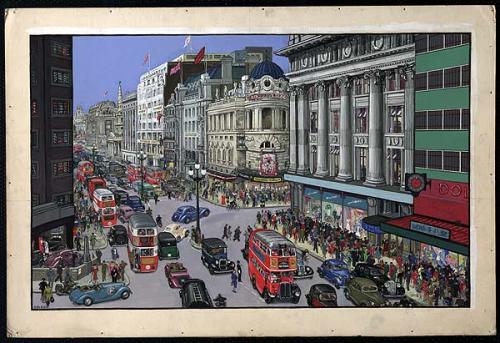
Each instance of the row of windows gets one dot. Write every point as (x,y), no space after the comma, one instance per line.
(60,49)
(61,77)
(442,160)
(446,78)
(62,168)
(220,156)
(60,107)
(61,137)
(153,125)
(454,119)
(150,136)
(394,120)
(60,199)
(431,42)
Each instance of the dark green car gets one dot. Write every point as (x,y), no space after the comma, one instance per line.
(167,246)
(364,292)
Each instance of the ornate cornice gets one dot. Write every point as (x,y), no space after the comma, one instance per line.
(407,71)
(320,85)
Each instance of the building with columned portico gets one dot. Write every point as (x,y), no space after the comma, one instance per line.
(351,126)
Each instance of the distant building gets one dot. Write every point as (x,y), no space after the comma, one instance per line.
(248,131)
(129,137)
(79,118)
(114,139)
(186,104)
(51,96)
(100,126)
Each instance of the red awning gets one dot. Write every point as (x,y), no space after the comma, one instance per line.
(458,234)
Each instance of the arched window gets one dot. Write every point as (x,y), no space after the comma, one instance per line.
(266,145)
(230,155)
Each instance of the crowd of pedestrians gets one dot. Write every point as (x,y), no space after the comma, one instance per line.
(217,192)
(433,284)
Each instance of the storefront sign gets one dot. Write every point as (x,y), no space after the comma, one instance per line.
(267,179)
(335,198)
(243,176)
(268,165)
(353,202)
(430,230)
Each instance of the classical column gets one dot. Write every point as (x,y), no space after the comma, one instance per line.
(345,154)
(322,169)
(375,175)
(293,130)
(300,195)
(303,131)
(408,73)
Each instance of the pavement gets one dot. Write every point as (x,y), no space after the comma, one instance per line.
(151,290)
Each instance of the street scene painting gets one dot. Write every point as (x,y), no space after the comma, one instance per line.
(250,171)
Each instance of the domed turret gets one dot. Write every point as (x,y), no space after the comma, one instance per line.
(267,68)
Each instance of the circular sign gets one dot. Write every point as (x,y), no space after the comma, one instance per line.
(416,183)
(347,49)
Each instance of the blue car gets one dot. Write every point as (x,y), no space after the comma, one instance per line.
(93,294)
(334,271)
(135,203)
(187,214)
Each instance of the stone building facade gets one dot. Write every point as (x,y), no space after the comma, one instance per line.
(248,130)
(100,125)
(129,137)
(351,125)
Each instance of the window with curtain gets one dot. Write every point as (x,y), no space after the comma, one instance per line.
(395,119)
(361,120)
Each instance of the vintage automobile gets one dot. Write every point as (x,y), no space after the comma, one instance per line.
(178,231)
(176,274)
(125,212)
(187,214)
(56,242)
(388,288)
(406,302)
(334,271)
(135,203)
(122,182)
(117,235)
(364,292)
(303,271)
(321,295)
(214,256)
(112,187)
(167,246)
(93,294)
(194,294)
(67,257)
(112,179)
(121,196)
(65,288)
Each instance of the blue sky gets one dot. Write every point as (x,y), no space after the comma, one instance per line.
(99,62)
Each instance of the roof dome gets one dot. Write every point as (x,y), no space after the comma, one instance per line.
(267,68)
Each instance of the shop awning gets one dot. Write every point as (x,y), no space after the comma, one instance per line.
(220,175)
(431,231)
(372,223)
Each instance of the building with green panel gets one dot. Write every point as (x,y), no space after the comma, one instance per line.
(442,113)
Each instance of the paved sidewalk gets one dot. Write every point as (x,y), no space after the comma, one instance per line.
(269,204)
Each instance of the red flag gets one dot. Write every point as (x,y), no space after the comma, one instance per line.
(176,68)
(158,117)
(199,56)
(146,59)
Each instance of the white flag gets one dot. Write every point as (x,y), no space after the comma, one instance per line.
(187,41)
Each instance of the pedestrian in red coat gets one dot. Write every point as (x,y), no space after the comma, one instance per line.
(94,273)
(399,261)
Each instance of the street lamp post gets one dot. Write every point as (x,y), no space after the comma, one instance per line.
(94,149)
(197,175)
(141,156)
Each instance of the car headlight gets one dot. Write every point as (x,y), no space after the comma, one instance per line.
(372,303)
(216,261)
(297,294)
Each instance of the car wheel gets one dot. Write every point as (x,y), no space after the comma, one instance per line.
(206,214)
(347,295)
(170,284)
(211,270)
(320,273)
(336,286)
(362,305)
(267,298)
(254,283)
(88,301)
(178,238)
(59,289)
(125,295)
(186,220)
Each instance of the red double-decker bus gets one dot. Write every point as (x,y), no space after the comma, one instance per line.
(85,169)
(94,183)
(104,203)
(272,263)
(154,175)
(133,172)
(142,243)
